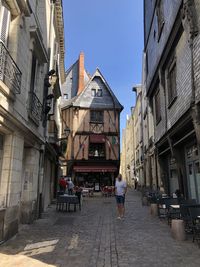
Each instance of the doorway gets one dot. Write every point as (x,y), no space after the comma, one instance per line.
(193,172)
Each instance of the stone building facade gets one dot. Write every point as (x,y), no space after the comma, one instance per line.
(138,136)
(92,112)
(171,35)
(133,141)
(150,177)
(31,44)
(127,159)
(123,155)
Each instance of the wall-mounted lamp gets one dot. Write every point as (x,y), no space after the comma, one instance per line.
(51,72)
(64,140)
(65,135)
(49,80)
(53,79)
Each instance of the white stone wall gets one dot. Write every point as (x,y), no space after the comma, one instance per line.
(22,153)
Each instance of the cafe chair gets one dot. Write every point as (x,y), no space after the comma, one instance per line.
(194,212)
(162,209)
(171,212)
(60,203)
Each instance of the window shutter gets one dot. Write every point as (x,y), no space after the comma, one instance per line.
(4,23)
(55,58)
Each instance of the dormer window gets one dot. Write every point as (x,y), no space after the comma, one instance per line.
(65,96)
(96,92)
(99,92)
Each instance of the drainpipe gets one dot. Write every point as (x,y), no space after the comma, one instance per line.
(9,177)
(39,195)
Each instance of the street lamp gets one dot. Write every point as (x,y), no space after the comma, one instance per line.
(63,147)
(53,79)
(49,81)
(65,134)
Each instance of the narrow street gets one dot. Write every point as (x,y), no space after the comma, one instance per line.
(94,237)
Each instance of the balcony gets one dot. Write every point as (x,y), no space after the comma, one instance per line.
(10,74)
(35,108)
(96,127)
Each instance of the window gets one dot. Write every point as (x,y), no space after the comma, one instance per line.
(96,92)
(4,29)
(93,92)
(99,93)
(35,106)
(96,116)
(65,96)
(96,150)
(4,23)
(171,82)
(33,73)
(157,106)
(160,17)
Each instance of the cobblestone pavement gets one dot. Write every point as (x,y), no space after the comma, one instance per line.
(94,237)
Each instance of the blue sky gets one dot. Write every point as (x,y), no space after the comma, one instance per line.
(110,33)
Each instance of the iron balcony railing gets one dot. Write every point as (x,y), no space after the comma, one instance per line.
(10,74)
(35,108)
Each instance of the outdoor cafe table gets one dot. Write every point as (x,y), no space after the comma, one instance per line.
(66,200)
(87,191)
(175,206)
(174,212)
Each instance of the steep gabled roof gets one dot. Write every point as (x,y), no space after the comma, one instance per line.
(97,73)
(70,68)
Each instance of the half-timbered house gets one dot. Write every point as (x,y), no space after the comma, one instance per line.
(92,112)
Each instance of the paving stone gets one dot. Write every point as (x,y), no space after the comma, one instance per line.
(93,237)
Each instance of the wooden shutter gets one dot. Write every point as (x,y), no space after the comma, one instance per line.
(4,23)
(55,58)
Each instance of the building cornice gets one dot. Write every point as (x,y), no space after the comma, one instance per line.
(60,28)
(30,135)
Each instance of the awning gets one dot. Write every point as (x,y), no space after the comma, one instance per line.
(97,138)
(95,168)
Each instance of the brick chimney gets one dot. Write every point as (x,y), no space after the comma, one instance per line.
(81,73)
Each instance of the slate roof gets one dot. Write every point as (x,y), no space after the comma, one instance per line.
(115,103)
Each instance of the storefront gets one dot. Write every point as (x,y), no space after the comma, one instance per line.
(95,176)
(193,171)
